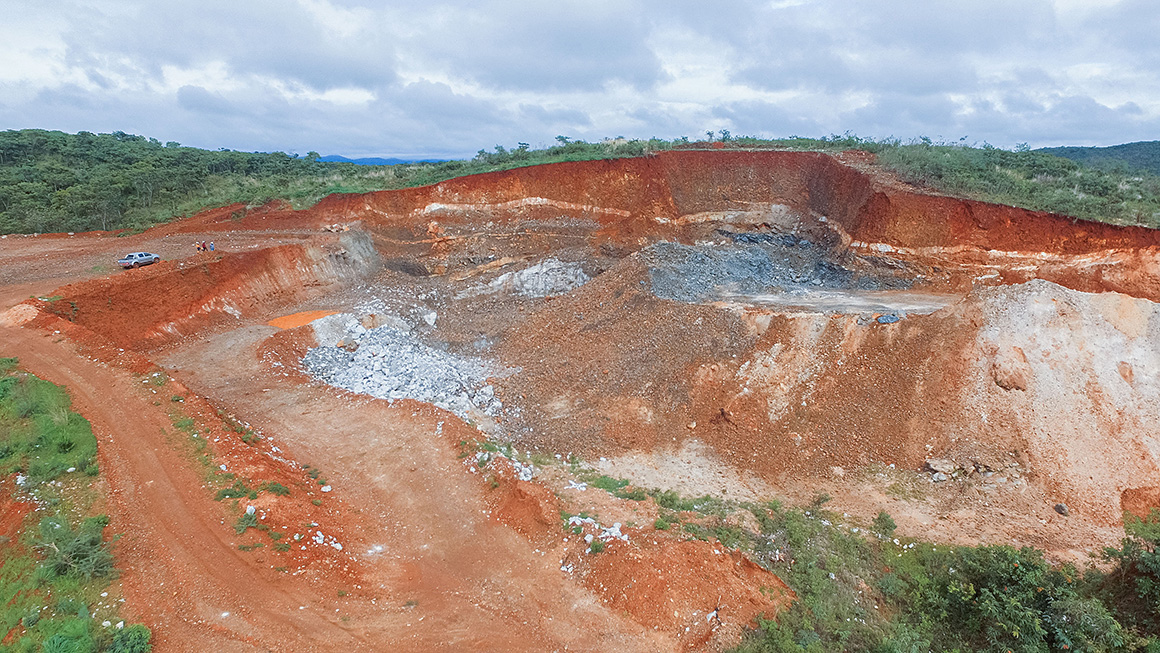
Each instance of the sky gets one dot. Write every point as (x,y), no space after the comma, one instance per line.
(446,78)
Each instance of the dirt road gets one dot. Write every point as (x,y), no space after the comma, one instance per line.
(474,583)
(444,574)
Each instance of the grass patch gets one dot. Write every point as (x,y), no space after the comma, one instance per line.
(41,439)
(276,489)
(245,521)
(236,491)
(54,570)
(617,487)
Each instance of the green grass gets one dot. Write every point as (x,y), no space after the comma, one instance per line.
(617,487)
(54,570)
(236,491)
(40,438)
(245,521)
(276,489)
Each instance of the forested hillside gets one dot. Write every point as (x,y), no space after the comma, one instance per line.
(1143,156)
(53,182)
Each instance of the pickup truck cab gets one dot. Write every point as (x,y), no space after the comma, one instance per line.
(137,259)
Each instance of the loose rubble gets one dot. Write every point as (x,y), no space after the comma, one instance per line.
(390,363)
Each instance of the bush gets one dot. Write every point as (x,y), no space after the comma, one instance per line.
(134,639)
(80,552)
(1133,587)
(247,520)
(884,525)
(999,598)
(276,489)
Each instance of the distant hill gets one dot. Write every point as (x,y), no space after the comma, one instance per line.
(1144,155)
(374,160)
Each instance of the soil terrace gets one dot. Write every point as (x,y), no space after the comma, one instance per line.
(758,324)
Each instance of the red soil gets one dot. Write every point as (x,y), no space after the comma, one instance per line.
(678,585)
(157,304)
(12,513)
(608,368)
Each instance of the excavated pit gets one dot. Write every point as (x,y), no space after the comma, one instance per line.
(792,314)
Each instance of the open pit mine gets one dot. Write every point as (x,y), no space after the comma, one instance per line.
(434,373)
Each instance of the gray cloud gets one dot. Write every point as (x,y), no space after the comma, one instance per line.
(446,78)
(527,46)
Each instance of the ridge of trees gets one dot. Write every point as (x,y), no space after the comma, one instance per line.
(1143,156)
(51,181)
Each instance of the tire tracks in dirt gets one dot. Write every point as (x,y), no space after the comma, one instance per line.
(472,583)
(180,569)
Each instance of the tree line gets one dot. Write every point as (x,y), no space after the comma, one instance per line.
(51,181)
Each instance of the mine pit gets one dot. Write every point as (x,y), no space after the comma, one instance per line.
(740,324)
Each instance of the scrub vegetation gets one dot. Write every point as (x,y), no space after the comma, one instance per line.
(54,182)
(863,589)
(57,571)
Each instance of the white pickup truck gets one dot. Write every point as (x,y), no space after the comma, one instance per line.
(137,259)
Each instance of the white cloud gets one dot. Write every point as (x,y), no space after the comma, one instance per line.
(448,77)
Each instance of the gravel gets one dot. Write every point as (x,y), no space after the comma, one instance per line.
(756,264)
(392,363)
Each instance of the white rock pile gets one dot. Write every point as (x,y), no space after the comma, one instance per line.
(391,363)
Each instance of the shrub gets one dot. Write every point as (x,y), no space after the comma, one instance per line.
(884,525)
(80,552)
(134,639)
(247,520)
(276,489)
(1004,599)
(1133,586)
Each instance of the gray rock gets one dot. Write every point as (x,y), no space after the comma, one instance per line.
(943,465)
(391,363)
(1061,509)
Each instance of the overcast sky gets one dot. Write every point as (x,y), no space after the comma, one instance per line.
(447,78)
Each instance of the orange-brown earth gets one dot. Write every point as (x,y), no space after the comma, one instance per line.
(1032,378)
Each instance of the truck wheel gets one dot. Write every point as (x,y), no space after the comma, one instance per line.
(136,264)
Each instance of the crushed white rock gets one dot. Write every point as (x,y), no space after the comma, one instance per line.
(392,363)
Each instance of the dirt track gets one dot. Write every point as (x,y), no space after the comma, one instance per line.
(1030,362)
(448,575)
(182,568)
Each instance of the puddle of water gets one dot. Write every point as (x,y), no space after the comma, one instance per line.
(849,301)
(298,319)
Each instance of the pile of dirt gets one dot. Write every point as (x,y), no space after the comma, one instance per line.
(689,589)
